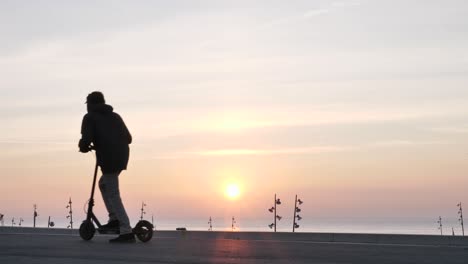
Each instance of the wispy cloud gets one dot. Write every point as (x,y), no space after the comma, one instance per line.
(315,12)
(204,121)
(227,152)
(256,152)
(345,3)
(294,19)
(305,116)
(451,130)
(224,152)
(402,143)
(309,14)
(35,142)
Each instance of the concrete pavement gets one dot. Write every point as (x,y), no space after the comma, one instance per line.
(39,246)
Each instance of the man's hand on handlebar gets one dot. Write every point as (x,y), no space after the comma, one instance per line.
(85,148)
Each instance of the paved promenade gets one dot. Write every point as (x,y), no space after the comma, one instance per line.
(55,246)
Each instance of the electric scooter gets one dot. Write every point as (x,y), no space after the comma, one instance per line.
(143,229)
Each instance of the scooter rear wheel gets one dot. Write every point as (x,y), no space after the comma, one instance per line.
(143,230)
(87,230)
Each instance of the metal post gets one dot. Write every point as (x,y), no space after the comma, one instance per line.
(35,215)
(294,218)
(50,223)
(142,210)
(275,214)
(211,224)
(460,212)
(70,213)
(440,225)
(232,224)
(273,210)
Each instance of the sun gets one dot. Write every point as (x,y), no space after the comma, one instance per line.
(232,191)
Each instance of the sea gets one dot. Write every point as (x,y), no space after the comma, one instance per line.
(414,225)
(420,226)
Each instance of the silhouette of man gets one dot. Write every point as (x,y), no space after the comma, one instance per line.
(107,132)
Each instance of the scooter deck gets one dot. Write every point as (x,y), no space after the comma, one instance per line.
(108,231)
(115,231)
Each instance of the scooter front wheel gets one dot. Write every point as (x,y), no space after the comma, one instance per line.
(87,230)
(143,230)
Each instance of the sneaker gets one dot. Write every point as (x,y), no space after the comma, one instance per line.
(125,238)
(113,225)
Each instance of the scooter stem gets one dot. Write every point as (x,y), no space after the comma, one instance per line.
(91,200)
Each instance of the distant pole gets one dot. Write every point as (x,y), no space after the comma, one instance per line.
(70,213)
(1,219)
(233,224)
(453,232)
(20,221)
(13,221)
(210,222)
(440,225)
(35,215)
(50,223)
(142,210)
(152,220)
(273,210)
(460,219)
(275,213)
(296,217)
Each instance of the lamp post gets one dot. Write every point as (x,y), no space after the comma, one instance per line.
(273,210)
(297,210)
(142,210)
(20,221)
(440,224)
(70,213)
(460,219)
(1,219)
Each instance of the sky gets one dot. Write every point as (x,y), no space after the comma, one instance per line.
(359,107)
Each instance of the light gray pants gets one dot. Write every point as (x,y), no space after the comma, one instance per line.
(109,185)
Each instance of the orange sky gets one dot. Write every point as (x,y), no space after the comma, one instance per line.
(357,112)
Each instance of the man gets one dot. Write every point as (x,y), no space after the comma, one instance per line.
(106,132)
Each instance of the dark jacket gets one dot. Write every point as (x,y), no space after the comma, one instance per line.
(107,132)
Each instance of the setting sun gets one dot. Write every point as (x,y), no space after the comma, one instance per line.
(232,191)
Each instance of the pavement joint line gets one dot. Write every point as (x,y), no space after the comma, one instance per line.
(337,243)
(68,235)
(37,234)
(34,256)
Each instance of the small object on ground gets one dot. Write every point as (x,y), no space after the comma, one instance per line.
(181,229)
